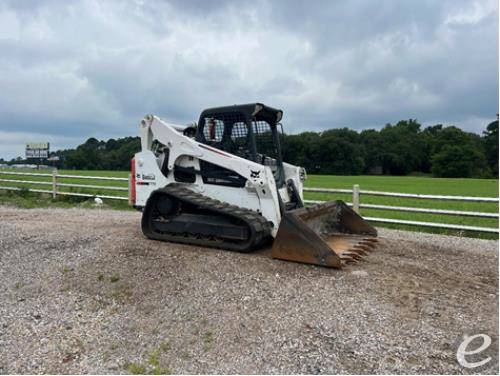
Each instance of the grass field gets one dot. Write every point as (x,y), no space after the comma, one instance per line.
(422,185)
(405,184)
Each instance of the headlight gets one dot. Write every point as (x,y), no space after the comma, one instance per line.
(302,174)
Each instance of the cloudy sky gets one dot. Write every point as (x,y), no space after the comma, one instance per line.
(70,70)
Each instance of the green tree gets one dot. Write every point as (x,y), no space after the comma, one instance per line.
(490,141)
(459,161)
(100,155)
(401,148)
(340,152)
(302,150)
(449,144)
(373,149)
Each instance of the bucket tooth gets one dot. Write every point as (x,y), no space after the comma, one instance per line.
(348,259)
(354,255)
(366,247)
(359,251)
(328,234)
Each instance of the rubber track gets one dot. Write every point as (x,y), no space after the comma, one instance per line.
(259,227)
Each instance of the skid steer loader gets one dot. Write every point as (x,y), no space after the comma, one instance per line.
(223,184)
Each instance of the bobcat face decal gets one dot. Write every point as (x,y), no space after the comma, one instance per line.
(254,174)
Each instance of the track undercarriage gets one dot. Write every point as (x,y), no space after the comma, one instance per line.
(178,214)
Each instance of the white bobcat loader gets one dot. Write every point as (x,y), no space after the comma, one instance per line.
(223,184)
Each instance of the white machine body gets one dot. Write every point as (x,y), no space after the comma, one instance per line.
(259,194)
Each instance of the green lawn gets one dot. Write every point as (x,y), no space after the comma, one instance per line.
(117,174)
(405,184)
(413,184)
(410,184)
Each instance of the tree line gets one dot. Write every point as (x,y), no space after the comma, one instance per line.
(396,149)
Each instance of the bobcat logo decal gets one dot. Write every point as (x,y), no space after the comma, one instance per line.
(254,174)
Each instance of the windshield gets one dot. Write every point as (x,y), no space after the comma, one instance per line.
(268,147)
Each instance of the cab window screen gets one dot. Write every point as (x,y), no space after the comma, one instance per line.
(239,133)
(213,129)
(264,139)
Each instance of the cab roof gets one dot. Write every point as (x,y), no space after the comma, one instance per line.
(256,111)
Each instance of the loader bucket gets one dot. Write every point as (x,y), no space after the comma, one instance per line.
(328,234)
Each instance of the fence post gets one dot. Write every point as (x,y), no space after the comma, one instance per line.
(54,183)
(130,190)
(355,198)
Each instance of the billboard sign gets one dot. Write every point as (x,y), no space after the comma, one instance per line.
(37,150)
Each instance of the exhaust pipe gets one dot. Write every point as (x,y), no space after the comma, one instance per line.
(329,234)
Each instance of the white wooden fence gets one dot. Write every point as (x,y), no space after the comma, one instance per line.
(55,182)
(356,205)
(356,193)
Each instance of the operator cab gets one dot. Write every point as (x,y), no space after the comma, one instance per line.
(249,131)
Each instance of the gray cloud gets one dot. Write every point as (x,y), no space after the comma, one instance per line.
(72,70)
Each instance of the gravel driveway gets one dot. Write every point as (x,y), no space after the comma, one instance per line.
(82,291)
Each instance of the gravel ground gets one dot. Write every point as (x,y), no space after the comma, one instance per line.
(84,292)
